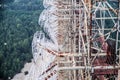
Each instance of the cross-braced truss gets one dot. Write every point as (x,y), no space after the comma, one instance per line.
(88,31)
(81,41)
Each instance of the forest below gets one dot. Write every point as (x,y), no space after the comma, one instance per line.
(18,23)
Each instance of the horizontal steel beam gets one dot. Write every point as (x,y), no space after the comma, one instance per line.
(89,67)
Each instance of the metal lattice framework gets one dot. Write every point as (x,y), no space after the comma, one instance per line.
(80,40)
(83,32)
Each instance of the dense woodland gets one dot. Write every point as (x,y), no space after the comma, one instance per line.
(18,23)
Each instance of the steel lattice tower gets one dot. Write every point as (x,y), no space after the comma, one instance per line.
(82,41)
